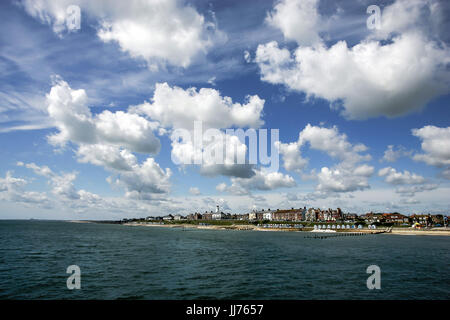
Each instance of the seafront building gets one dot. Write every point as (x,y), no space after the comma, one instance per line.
(168,217)
(218,216)
(395,218)
(330,216)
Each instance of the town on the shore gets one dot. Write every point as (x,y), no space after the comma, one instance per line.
(304,215)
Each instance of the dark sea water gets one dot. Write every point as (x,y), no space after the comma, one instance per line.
(121,262)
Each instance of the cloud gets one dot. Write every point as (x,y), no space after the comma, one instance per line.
(247,56)
(140,181)
(371,79)
(313,196)
(229,170)
(298,20)
(107,156)
(392,153)
(145,181)
(156,31)
(346,176)
(12,189)
(344,179)
(67,196)
(49,12)
(410,201)
(175,108)
(62,184)
(406,15)
(410,191)
(42,171)
(75,122)
(194,191)
(327,140)
(224,155)
(212,81)
(446,173)
(292,158)
(211,203)
(436,147)
(21,109)
(221,187)
(435,144)
(332,142)
(393,177)
(108,140)
(262,180)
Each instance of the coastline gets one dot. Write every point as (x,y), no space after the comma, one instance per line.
(395,231)
(399,231)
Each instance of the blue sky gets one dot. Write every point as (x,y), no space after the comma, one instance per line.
(86,114)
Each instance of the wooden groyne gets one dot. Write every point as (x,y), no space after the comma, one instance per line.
(335,235)
(344,234)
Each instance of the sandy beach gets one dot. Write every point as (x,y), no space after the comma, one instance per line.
(421,232)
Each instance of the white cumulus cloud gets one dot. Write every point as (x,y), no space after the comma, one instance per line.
(108,140)
(392,153)
(75,122)
(12,189)
(392,176)
(156,31)
(436,147)
(175,108)
(370,79)
(348,175)
(298,20)
(262,180)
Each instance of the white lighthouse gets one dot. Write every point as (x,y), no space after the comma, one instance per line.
(217,209)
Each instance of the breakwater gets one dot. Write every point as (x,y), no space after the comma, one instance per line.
(338,234)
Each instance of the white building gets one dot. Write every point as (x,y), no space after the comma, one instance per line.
(252,216)
(267,215)
(218,216)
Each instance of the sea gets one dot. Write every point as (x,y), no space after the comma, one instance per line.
(127,262)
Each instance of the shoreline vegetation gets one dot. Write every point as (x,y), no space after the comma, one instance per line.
(272,227)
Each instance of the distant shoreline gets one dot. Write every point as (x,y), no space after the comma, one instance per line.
(395,231)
